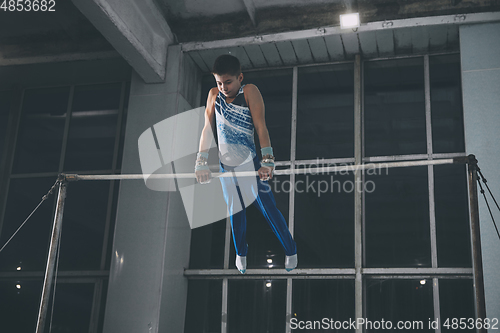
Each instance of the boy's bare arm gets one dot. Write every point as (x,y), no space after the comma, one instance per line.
(206,134)
(257,109)
(203,176)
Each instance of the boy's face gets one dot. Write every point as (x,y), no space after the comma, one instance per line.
(229,85)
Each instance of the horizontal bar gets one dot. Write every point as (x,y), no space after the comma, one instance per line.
(40,274)
(272,271)
(240,276)
(419,277)
(417,270)
(77,280)
(322,161)
(411,157)
(449,155)
(411,55)
(394,158)
(336,30)
(321,170)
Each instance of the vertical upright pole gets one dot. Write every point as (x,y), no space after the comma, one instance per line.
(358,194)
(291,198)
(49,270)
(432,206)
(477,262)
(225,287)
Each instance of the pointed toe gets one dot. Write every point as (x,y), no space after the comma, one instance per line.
(291,262)
(241,264)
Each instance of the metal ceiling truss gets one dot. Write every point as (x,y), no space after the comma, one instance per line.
(377,27)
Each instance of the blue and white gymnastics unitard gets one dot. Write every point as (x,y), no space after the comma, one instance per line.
(235,131)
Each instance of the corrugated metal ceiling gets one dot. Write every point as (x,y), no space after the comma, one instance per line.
(337,47)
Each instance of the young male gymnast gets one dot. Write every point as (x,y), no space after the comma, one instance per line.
(236,110)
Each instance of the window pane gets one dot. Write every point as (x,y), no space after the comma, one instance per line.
(4,118)
(256,306)
(204,306)
(262,242)
(394,109)
(19,306)
(446,104)
(72,309)
(98,97)
(456,299)
(91,141)
(325,113)
(324,220)
(452,216)
(116,191)
(46,101)
(102,308)
(314,300)
(207,83)
(41,131)
(397,218)
(83,225)
(28,249)
(409,301)
(92,132)
(123,125)
(276,89)
(207,246)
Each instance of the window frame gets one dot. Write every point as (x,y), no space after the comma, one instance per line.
(99,278)
(359,273)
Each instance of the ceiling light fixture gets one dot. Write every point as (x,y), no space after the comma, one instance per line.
(349,21)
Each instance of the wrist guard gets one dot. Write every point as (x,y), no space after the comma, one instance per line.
(267,157)
(201,161)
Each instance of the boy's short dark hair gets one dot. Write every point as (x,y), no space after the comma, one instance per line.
(226,64)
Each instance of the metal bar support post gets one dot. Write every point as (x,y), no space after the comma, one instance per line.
(49,270)
(477,263)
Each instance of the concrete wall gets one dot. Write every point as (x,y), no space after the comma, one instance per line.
(480,52)
(147,289)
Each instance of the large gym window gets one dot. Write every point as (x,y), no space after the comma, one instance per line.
(71,129)
(413,244)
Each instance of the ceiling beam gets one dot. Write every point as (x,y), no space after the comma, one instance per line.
(336,30)
(136,29)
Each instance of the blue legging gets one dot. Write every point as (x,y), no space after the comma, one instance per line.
(243,191)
